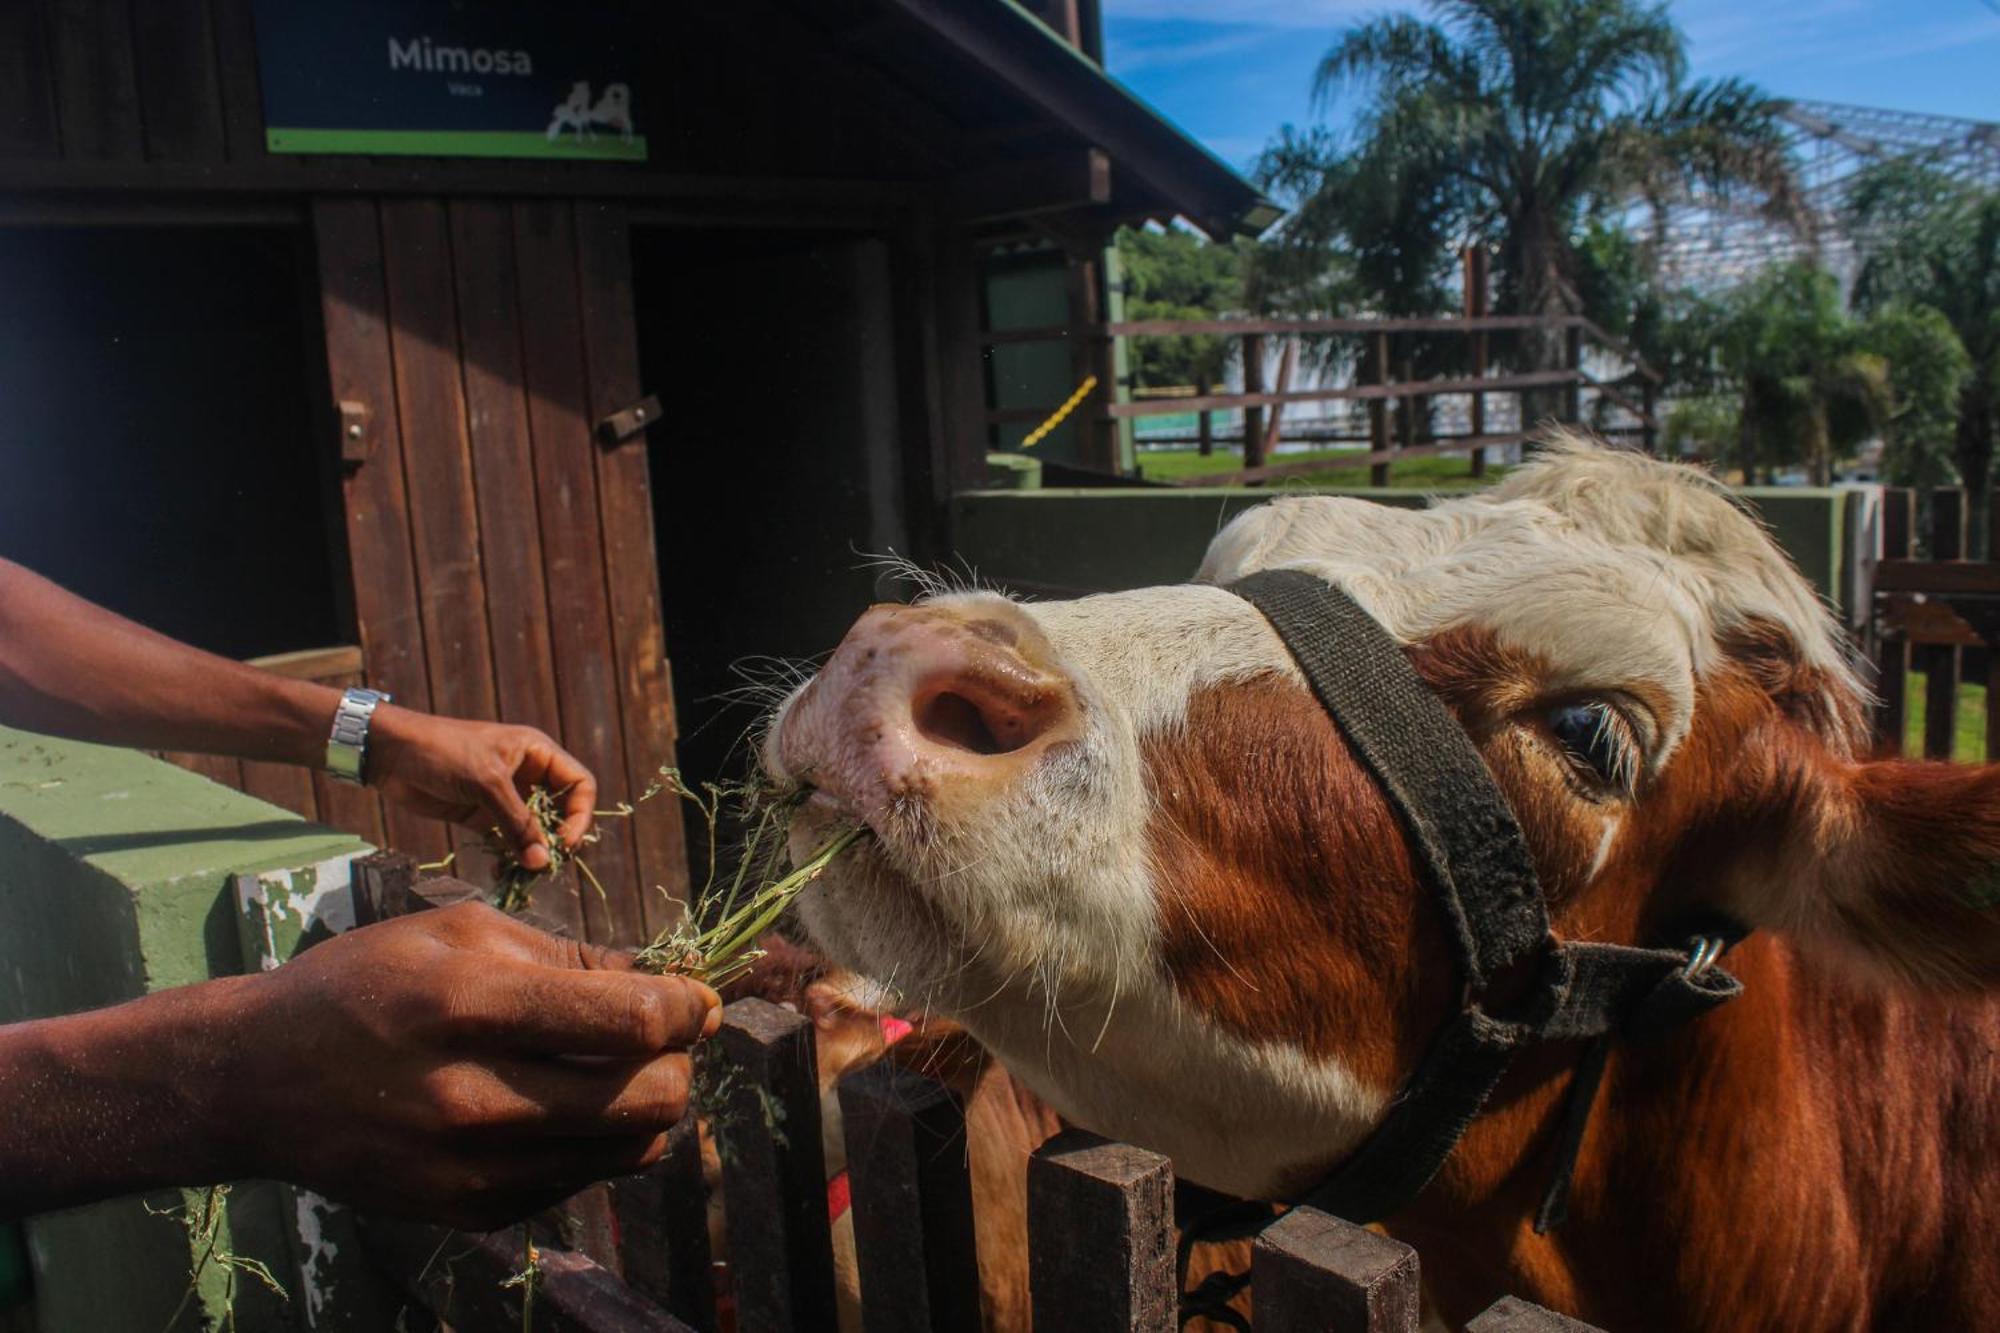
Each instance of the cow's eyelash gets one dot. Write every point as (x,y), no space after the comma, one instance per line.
(1597,741)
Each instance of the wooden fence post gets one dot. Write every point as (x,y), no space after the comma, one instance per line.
(663,1230)
(1573,362)
(1253,417)
(1511,1314)
(1204,421)
(911,1193)
(1378,414)
(1312,1271)
(1993,650)
(1941,661)
(465,1280)
(1101,1237)
(1476,295)
(1892,651)
(766,1124)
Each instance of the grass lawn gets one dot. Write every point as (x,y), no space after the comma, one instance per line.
(1969,743)
(1419,474)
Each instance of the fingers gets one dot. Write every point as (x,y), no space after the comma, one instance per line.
(562,773)
(555,1011)
(567,1099)
(517,823)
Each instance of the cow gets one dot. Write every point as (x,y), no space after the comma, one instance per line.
(1121,842)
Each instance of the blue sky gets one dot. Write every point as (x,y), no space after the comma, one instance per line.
(1231,71)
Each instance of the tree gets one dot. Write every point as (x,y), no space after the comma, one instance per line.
(1928,371)
(1928,238)
(1523,124)
(1175,274)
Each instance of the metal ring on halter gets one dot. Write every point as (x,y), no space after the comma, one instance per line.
(1707,949)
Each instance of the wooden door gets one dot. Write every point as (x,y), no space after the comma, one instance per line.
(503,559)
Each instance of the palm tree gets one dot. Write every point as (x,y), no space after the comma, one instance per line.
(1520,124)
(1928,238)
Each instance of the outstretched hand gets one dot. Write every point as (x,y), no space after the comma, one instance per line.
(474,772)
(464,1068)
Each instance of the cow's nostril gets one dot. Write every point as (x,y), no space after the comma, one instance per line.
(954,720)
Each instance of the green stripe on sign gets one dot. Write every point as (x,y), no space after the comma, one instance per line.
(458,143)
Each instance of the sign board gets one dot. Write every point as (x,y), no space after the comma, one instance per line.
(451,78)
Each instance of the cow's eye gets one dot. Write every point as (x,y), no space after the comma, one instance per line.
(1596,741)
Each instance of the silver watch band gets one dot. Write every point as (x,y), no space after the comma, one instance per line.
(347,747)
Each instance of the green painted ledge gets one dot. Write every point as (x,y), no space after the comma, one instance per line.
(115,880)
(1068,541)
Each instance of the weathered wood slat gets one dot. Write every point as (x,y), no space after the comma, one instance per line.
(1348,393)
(1511,1314)
(97,82)
(631,563)
(1941,662)
(460,1278)
(1100,1237)
(1312,1271)
(767,1129)
(214,767)
(179,93)
(587,681)
(284,785)
(911,1193)
(437,468)
(1171,328)
(1892,656)
(663,1230)
(242,94)
(1936,576)
(27,91)
(355,318)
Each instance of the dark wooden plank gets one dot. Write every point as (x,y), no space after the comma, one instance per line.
(1100,1236)
(587,682)
(285,785)
(242,93)
(97,82)
(461,1279)
(631,563)
(214,767)
(180,97)
(354,315)
(1941,662)
(911,1195)
(27,82)
(1313,1271)
(1347,393)
(1253,411)
(1892,655)
(1175,328)
(767,1130)
(502,471)
(437,469)
(1937,576)
(1380,443)
(382,886)
(663,1230)
(1511,1314)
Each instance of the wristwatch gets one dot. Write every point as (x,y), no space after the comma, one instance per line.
(347,747)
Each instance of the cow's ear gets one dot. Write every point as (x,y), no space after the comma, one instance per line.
(1895,865)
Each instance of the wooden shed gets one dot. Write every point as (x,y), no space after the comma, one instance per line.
(317,346)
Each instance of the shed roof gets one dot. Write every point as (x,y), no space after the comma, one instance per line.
(1040,109)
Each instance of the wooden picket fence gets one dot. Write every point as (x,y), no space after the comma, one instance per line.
(1935,612)
(1101,1252)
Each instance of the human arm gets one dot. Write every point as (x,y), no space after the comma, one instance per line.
(71,668)
(423,1067)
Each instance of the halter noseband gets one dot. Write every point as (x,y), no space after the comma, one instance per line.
(1522,986)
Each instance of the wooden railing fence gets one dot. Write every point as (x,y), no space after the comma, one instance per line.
(1935,612)
(1101,1252)
(1399,405)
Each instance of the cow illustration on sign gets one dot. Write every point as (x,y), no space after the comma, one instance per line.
(576,112)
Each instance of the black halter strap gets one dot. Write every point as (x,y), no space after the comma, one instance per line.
(1477,866)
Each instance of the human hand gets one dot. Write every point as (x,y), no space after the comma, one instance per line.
(460,1067)
(465,771)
